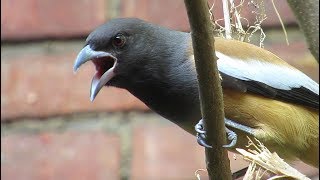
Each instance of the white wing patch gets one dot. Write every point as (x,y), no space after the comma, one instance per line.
(280,77)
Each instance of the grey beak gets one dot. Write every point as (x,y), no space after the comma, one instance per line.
(87,54)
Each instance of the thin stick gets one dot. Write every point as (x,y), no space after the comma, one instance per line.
(226,15)
(282,25)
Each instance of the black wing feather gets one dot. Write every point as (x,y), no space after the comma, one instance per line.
(301,95)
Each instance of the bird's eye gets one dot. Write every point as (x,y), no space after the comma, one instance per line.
(119,40)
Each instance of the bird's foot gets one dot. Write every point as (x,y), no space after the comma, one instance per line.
(246,129)
(201,136)
(232,136)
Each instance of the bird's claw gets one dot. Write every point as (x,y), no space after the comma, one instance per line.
(201,139)
(199,127)
(201,134)
(232,136)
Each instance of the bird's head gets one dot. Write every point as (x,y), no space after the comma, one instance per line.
(122,48)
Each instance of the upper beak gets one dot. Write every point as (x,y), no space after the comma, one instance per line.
(98,80)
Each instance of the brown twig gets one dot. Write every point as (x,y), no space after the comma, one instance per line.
(211,98)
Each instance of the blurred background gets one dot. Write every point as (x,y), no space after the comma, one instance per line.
(49,127)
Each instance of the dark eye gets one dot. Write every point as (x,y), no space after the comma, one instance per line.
(119,40)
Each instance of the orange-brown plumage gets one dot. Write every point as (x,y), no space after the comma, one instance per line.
(278,125)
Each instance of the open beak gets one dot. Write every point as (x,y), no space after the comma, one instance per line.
(105,64)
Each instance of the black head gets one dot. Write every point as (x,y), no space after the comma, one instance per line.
(151,62)
(127,51)
(117,34)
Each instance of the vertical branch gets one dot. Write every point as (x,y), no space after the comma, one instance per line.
(307,14)
(211,98)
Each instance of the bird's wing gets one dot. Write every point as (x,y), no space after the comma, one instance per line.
(261,72)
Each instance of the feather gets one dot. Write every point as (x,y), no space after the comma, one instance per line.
(265,74)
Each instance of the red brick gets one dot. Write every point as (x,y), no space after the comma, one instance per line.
(28,19)
(41,86)
(169,153)
(68,155)
(167,13)
(284,10)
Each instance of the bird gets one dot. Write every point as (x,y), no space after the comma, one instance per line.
(277,102)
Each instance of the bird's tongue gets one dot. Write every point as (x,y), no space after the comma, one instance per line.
(99,80)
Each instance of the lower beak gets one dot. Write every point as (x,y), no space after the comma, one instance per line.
(98,80)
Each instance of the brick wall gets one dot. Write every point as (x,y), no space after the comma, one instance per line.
(50,129)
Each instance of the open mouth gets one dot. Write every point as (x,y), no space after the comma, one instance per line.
(104,63)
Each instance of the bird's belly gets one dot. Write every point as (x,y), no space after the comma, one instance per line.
(290,130)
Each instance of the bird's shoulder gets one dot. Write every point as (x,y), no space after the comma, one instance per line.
(245,51)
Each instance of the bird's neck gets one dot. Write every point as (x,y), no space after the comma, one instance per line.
(170,87)
(176,103)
